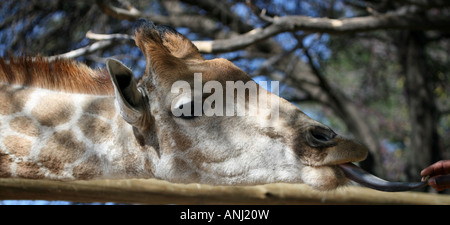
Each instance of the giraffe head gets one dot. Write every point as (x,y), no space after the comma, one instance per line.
(221,149)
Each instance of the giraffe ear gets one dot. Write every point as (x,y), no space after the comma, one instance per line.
(128,97)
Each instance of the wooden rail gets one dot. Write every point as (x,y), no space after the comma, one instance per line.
(152,191)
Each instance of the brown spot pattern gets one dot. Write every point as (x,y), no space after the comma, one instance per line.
(29,170)
(149,167)
(130,164)
(182,141)
(5,163)
(25,125)
(181,166)
(12,100)
(95,129)
(18,146)
(53,110)
(101,106)
(62,148)
(88,169)
(164,141)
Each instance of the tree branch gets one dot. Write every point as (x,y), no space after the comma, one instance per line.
(96,46)
(273,60)
(326,25)
(391,20)
(130,13)
(260,13)
(221,11)
(112,37)
(103,41)
(197,23)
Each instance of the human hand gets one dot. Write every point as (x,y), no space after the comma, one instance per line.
(439,174)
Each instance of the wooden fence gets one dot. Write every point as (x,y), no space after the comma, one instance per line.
(152,191)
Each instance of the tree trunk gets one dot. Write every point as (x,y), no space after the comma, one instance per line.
(423,114)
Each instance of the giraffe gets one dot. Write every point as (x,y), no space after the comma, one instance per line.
(61,120)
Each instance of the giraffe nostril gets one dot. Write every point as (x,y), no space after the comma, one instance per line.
(320,137)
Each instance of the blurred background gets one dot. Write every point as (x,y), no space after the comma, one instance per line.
(385,86)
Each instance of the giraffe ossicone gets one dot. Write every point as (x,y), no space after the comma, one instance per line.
(65,121)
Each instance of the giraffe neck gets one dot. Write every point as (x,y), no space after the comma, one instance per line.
(46,134)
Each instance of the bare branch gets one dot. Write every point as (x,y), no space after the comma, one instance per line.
(221,11)
(132,14)
(273,60)
(127,14)
(392,20)
(326,25)
(107,40)
(197,23)
(260,13)
(96,46)
(103,41)
(112,37)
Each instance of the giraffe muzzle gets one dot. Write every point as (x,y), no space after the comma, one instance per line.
(357,174)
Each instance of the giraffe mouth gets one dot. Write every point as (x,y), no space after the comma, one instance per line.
(357,174)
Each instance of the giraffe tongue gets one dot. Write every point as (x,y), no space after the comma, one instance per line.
(355,173)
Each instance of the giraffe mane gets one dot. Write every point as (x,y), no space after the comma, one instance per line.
(64,75)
